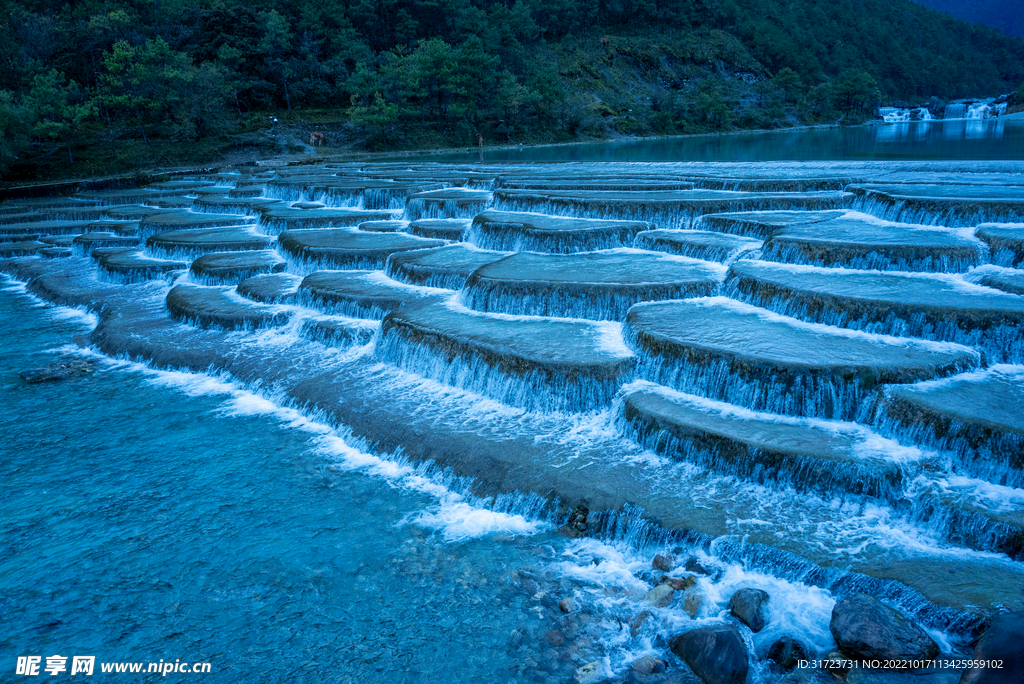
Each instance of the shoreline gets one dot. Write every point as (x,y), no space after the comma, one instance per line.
(145,175)
(79,183)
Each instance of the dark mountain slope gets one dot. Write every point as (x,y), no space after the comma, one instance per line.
(1003,15)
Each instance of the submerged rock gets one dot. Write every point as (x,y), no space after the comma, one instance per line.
(660,596)
(649,665)
(748,605)
(638,622)
(663,563)
(567,605)
(694,565)
(787,652)
(554,637)
(881,676)
(578,519)
(692,603)
(588,673)
(864,627)
(61,371)
(716,654)
(1004,641)
(678,583)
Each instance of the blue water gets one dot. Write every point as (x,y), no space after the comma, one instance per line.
(160,515)
(955,139)
(143,521)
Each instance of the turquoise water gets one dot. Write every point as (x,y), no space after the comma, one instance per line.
(161,515)
(959,139)
(146,516)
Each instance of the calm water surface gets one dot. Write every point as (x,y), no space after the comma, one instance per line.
(955,139)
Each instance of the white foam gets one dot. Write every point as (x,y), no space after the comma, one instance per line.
(993,497)
(1011,372)
(77,314)
(612,585)
(459,520)
(57,312)
(12,285)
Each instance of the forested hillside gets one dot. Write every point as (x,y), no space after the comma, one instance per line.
(97,85)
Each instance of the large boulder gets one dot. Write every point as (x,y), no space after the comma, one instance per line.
(864,627)
(1003,641)
(748,605)
(716,654)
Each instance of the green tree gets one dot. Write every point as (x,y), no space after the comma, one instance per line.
(15,129)
(274,47)
(856,92)
(473,81)
(376,112)
(132,80)
(60,108)
(383,94)
(197,96)
(789,83)
(436,65)
(512,99)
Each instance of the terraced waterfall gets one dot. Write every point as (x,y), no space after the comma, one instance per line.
(808,373)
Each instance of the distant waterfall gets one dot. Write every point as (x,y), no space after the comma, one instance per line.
(955,111)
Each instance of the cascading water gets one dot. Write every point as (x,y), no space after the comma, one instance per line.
(956,110)
(792,436)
